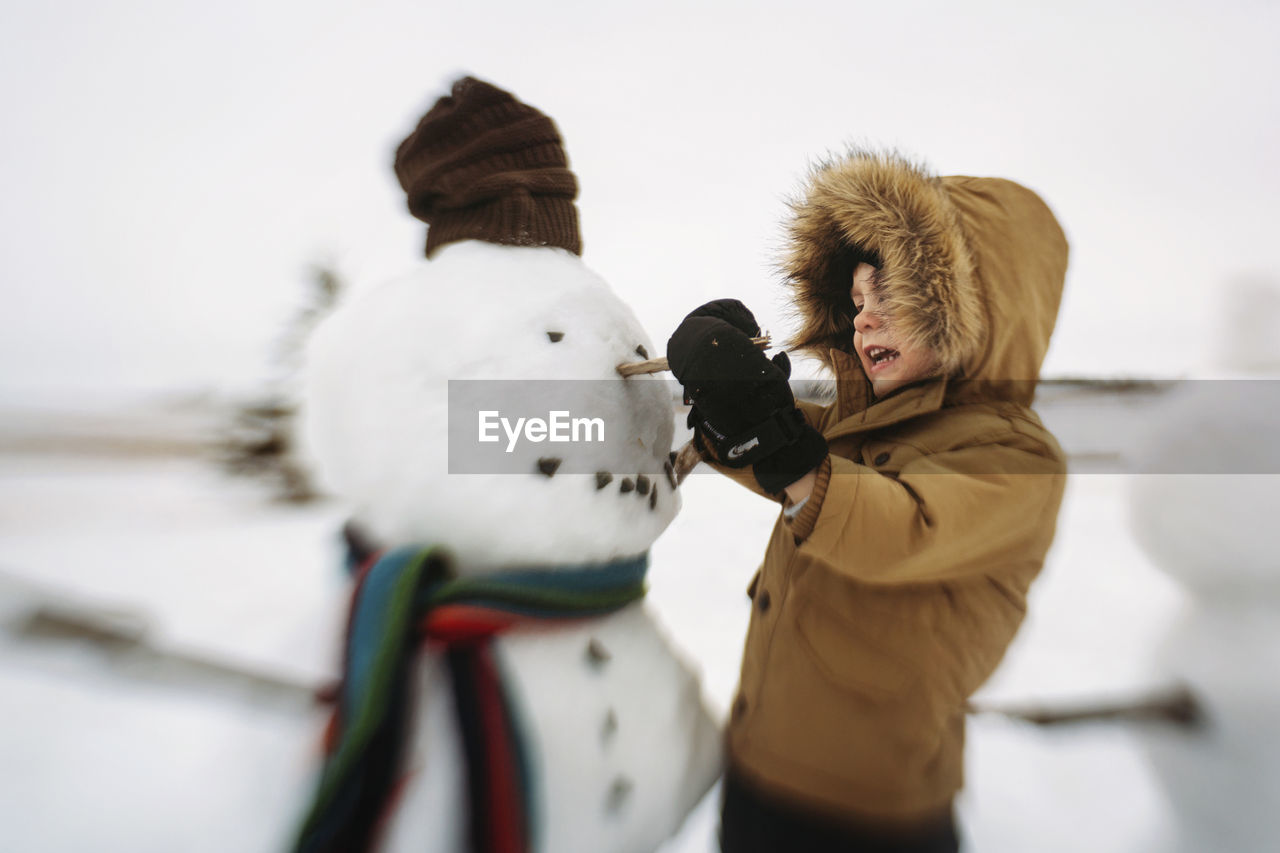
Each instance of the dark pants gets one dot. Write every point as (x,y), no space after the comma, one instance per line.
(751,822)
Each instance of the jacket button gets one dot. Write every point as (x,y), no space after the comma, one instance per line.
(881,458)
(764,601)
(739,707)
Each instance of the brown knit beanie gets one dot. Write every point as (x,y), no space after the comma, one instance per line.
(483,166)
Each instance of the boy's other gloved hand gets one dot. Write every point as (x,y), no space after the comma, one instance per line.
(743,410)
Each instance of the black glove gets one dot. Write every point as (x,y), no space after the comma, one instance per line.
(739,316)
(742,406)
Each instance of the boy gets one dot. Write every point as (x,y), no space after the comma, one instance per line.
(917,507)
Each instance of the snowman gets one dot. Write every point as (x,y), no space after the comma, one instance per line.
(505,687)
(1204,509)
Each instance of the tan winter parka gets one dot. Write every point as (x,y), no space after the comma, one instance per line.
(892,596)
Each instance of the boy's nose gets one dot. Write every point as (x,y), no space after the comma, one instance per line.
(864,320)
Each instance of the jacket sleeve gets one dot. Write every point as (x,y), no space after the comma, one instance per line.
(947,515)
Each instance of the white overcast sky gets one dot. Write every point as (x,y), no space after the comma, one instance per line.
(170,169)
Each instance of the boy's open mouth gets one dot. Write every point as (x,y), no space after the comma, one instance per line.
(880,356)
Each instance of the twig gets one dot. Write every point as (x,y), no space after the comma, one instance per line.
(1177,705)
(657,365)
(687,458)
(123,639)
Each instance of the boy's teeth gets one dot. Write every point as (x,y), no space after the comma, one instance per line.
(884,357)
(880,355)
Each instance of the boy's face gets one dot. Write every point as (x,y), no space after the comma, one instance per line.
(889,363)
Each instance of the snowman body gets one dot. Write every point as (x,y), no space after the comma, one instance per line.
(622,747)
(1209,521)
(620,743)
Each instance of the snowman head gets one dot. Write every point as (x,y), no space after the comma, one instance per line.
(434,403)
(397,383)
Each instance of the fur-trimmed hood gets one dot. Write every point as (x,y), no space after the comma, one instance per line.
(972,268)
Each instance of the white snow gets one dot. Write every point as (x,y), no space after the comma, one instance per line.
(142,765)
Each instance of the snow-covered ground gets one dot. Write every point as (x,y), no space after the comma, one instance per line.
(123,751)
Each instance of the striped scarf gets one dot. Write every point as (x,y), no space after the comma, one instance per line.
(401,598)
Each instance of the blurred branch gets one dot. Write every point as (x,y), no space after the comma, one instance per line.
(259,441)
(1177,705)
(121,638)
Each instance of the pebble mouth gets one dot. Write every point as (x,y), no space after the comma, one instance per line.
(644,486)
